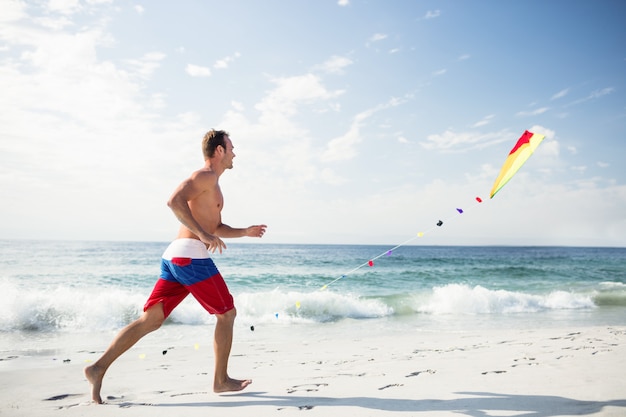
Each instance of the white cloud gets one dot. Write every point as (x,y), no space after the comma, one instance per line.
(64,6)
(601,93)
(197,70)
(328,176)
(485,121)
(55,23)
(237,106)
(335,64)
(463,141)
(60,75)
(548,152)
(276,135)
(343,2)
(594,95)
(139,9)
(147,64)
(225,62)
(377,37)
(440,72)
(290,91)
(535,112)
(431,14)
(344,147)
(560,94)
(89,120)
(13,10)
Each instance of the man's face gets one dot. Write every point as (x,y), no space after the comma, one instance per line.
(228,153)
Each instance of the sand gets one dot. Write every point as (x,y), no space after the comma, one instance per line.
(360,368)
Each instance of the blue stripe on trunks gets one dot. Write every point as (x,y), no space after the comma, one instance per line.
(196,271)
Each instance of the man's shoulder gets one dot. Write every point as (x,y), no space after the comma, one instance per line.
(204,172)
(204,175)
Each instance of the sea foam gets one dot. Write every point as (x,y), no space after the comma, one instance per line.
(465,299)
(67,308)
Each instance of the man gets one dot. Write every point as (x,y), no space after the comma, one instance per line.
(187,268)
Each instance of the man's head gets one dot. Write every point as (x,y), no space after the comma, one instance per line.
(212,140)
(216,143)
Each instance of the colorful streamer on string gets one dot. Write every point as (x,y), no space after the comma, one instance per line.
(389,252)
(523,149)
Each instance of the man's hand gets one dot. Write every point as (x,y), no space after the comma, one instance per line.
(214,243)
(256,231)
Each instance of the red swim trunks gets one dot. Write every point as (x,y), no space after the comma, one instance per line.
(182,276)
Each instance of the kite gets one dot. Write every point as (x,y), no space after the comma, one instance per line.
(522,150)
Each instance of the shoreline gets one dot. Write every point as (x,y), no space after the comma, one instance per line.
(336,368)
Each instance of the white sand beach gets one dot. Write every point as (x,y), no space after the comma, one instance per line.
(346,368)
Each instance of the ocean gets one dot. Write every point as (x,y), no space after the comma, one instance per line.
(53,289)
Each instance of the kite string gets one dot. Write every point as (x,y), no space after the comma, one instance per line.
(522,150)
(389,251)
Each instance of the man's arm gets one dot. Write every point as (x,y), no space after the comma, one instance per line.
(225,231)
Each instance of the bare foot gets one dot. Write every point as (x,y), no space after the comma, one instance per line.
(94,376)
(231,385)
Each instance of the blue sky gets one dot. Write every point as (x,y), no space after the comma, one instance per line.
(353,121)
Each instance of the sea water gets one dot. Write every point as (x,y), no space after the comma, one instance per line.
(74,288)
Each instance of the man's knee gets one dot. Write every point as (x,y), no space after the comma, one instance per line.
(154,317)
(228,316)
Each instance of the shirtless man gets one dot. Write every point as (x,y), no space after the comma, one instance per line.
(197,203)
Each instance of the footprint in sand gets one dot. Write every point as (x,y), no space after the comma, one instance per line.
(390,386)
(416,373)
(306,387)
(300,407)
(189,393)
(61,397)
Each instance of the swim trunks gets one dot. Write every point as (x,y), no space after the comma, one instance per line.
(187,268)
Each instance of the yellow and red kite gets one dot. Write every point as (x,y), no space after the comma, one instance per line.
(522,150)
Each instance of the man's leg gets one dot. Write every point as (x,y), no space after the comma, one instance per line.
(222,344)
(151,320)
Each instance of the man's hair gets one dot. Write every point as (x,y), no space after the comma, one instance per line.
(211,141)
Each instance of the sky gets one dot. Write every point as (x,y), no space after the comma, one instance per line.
(353,121)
